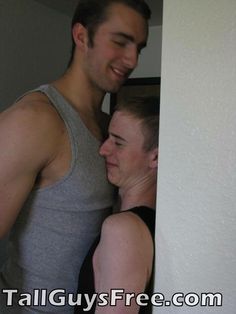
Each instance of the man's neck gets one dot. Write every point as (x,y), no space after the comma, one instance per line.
(85,99)
(75,87)
(143,195)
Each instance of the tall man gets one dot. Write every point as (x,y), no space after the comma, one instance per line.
(53,188)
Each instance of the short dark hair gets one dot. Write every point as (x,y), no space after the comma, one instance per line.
(91,13)
(147,109)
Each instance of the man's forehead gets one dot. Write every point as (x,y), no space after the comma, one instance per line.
(121,117)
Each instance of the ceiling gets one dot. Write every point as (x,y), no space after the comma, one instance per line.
(67,7)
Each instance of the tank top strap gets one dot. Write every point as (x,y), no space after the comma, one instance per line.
(147,214)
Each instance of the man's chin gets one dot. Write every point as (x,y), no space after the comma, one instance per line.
(111,179)
(117,85)
(115,89)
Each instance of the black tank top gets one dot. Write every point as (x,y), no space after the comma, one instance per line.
(86,276)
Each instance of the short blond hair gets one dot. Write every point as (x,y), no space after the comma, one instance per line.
(147,109)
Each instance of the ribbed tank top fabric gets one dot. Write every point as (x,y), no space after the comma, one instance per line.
(58,223)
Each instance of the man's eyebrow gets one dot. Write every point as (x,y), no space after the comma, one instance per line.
(130,38)
(118,137)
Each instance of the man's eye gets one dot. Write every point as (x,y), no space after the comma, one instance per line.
(120,43)
(118,144)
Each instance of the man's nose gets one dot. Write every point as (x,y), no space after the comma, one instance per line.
(131,57)
(105,148)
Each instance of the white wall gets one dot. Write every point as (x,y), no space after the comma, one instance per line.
(196,201)
(35,46)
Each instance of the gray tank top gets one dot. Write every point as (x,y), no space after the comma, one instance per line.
(58,223)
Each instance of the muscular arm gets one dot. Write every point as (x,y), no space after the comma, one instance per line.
(123,260)
(26,146)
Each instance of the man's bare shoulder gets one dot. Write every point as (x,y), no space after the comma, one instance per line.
(32,125)
(33,112)
(33,104)
(124,253)
(126,225)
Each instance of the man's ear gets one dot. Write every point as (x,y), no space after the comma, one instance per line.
(153,161)
(80,36)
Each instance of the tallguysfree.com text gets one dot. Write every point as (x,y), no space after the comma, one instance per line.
(59,297)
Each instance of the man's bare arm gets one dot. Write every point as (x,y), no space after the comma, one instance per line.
(123,260)
(27,144)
